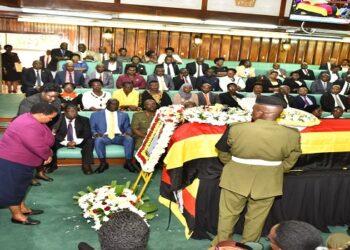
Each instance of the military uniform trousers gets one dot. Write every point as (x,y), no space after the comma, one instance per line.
(231,206)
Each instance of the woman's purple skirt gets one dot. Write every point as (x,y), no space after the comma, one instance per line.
(15,179)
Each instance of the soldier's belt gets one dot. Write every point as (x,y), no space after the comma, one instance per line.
(257,162)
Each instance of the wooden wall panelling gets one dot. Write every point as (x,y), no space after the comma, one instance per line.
(130,40)
(164,42)
(185,43)
(319,52)
(215,47)
(194,49)
(225,47)
(83,37)
(174,40)
(235,53)
(95,38)
(274,48)
(292,52)
(344,51)
(264,49)
(282,53)
(255,48)
(301,52)
(205,47)
(245,47)
(327,51)
(118,39)
(310,52)
(141,38)
(152,41)
(336,51)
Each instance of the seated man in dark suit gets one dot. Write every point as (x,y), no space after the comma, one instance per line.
(321,86)
(206,97)
(165,81)
(182,78)
(230,97)
(100,73)
(170,67)
(303,99)
(35,77)
(74,131)
(334,99)
(111,126)
(210,78)
(197,68)
(70,75)
(285,96)
(305,73)
(136,61)
(61,53)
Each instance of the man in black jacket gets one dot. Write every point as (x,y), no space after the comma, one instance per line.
(61,53)
(197,68)
(230,97)
(334,99)
(35,77)
(74,132)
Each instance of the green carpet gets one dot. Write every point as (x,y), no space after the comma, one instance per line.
(63,227)
(9,104)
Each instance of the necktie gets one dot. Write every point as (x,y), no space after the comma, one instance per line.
(207,100)
(47,61)
(168,70)
(111,125)
(324,86)
(347,88)
(306,102)
(70,77)
(232,79)
(101,76)
(38,78)
(286,99)
(70,131)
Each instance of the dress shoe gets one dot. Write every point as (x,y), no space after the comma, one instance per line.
(130,167)
(49,179)
(137,166)
(102,168)
(29,222)
(35,212)
(86,169)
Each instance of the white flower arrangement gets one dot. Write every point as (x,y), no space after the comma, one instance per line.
(297,118)
(215,116)
(100,204)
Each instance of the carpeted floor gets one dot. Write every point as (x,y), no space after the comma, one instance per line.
(63,227)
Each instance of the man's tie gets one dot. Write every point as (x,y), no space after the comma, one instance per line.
(70,77)
(232,79)
(47,61)
(306,102)
(207,100)
(324,86)
(111,125)
(347,88)
(70,131)
(38,78)
(286,99)
(101,76)
(168,70)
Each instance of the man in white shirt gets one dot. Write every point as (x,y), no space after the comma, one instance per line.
(333,73)
(102,54)
(231,78)
(86,55)
(112,64)
(197,68)
(282,74)
(165,81)
(100,73)
(169,52)
(74,132)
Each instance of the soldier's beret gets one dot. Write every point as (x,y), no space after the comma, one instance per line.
(270,100)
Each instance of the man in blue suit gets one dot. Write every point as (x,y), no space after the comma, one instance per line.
(304,100)
(110,126)
(69,75)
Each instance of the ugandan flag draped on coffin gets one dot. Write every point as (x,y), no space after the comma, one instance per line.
(191,165)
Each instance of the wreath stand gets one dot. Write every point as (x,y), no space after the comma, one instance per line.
(144,177)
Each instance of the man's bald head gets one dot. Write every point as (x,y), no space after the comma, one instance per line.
(266,112)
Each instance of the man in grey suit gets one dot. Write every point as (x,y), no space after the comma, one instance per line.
(321,86)
(165,81)
(100,73)
(206,97)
